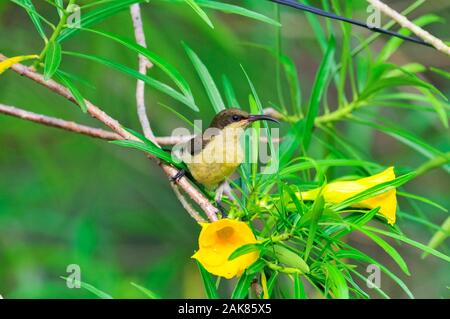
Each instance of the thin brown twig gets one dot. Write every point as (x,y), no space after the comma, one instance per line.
(87,130)
(404,22)
(115,126)
(144,64)
(188,207)
(58,123)
(80,128)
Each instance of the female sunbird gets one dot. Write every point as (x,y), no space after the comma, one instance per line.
(213,156)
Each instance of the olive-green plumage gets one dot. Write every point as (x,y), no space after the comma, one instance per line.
(213,156)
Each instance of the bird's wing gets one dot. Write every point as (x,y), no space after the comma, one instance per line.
(197,144)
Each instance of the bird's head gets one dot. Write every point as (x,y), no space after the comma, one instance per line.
(237,118)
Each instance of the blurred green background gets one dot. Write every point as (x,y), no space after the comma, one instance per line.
(69,199)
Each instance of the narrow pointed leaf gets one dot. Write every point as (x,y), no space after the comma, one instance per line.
(208,284)
(34,16)
(200,12)
(64,79)
(165,66)
(318,91)
(233,9)
(164,88)
(207,80)
(52,59)
(150,294)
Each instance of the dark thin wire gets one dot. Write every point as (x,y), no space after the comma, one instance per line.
(330,15)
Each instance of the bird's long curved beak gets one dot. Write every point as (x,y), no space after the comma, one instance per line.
(253,118)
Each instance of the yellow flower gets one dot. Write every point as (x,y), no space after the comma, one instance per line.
(6,64)
(339,191)
(218,240)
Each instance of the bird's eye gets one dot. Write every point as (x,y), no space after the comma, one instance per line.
(236,118)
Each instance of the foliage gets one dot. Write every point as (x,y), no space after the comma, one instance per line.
(306,248)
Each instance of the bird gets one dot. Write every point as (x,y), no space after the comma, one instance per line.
(214,155)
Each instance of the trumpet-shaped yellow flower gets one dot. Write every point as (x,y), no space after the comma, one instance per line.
(339,191)
(5,65)
(218,240)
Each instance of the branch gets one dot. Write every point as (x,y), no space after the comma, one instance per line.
(404,22)
(144,64)
(58,123)
(115,126)
(87,130)
(194,214)
(433,163)
(80,128)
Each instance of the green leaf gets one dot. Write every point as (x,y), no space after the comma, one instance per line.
(230,8)
(294,84)
(52,59)
(32,11)
(317,210)
(147,292)
(164,88)
(242,287)
(438,106)
(318,90)
(254,147)
(158,152)
(358,255)
(151,149)
(92,289)
(439,237)
(386,247)
(395,83)
(60,7)
(178,114)
(336,282)
(289,258)
(290,144)
(229,92)
(422,199)
(271,282)
(34,16)
(200,12)
(317,28)
(258,106)
(323,164)
(298,206)
(257,266)
(406,138)
(166,67)
(299,289)
(95,16)
(208,284)
(443,73)
(361,221)
(64,79)
(245,249)
(207,80)
(411,242)
(290,71)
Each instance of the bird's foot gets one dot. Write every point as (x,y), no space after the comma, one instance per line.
(224,188)
(178,176)
(221,208)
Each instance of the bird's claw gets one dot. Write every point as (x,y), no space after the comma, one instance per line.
(178,176)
